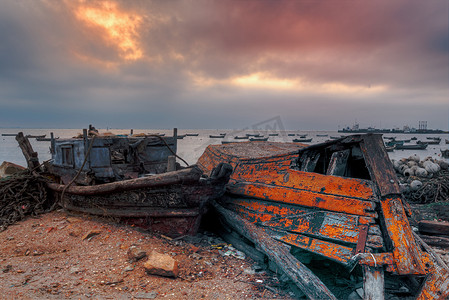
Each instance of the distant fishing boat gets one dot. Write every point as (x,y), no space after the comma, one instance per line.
(253,134)
(192,134)
(273,134)
(403,141)
(45,139)
(241,137)
(291,134)
(35,136)
(322,135)
(393,143)
(430,142)
(216,136)
(9,134)
(302,140)
(258,139)
(421,146)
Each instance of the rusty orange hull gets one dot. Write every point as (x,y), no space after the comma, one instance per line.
(339,200)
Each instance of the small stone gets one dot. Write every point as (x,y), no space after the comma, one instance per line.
(134,254)
(196,256)
(74,270)
(161,265)
(128,269)
(73,220)
(148,295)
(91,234)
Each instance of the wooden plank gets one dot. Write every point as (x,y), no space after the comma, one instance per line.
(337,253)
(308,181)
(262,211)
(373,283)
(379,164)
(279,154)
(338,162)
(308,282)
(436,241)
(436,285)
(187,175)
(434,227)
(321,225)
(304,198)
(407,255)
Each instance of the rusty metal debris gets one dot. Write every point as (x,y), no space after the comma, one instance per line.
(339,200)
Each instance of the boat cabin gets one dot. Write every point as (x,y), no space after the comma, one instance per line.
(101,159)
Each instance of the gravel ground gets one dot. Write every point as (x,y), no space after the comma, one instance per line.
(53,257)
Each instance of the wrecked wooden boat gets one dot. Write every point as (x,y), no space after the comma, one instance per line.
(135,179)
(339,201)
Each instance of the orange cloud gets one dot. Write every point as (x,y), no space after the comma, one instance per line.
(120,28)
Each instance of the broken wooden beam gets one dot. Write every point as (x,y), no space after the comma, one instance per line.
(373,283)
(28,152)
(308,282)
(436,241)
(188,175)
(433,227)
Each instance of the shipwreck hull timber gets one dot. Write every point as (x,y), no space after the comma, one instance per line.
(339,200)
(171,202)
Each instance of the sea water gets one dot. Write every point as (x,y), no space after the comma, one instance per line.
(190,148)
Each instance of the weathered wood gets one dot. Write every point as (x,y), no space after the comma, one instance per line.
(335,252)
(337,165)
(171,163)
(407,254)
(28,152)
(314,182)
(310,284)
(379,165)
(434,227)
(436,285)
(304,198)
(373,283)
(183,176)
(263,211)
(436,241)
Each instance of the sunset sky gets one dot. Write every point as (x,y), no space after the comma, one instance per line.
(225,64)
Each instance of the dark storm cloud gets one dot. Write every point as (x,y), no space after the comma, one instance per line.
(53,62)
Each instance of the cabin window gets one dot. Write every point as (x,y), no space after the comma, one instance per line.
(336,161)
(67,155)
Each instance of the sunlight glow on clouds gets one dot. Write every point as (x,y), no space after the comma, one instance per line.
(121,28)
(265,81)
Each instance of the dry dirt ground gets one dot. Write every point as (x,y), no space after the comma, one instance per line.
(52,257)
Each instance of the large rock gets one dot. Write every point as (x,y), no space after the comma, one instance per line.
(9,168)
(161,265)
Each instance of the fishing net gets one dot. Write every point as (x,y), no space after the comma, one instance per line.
(433,190)
(21,195)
